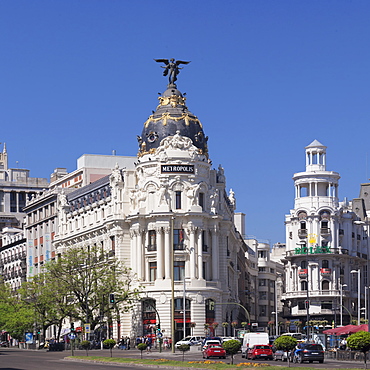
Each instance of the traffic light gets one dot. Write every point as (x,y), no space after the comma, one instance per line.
(111,298)
(159,327)
(72,326)
(307,304)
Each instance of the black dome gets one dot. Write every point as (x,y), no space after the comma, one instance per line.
(172,115)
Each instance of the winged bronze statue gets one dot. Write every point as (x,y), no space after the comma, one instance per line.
(171,68)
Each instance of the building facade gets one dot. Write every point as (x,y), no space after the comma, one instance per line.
(326,248)
(171,219)
(16,187)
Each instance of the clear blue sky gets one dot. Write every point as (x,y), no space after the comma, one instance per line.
(266,78)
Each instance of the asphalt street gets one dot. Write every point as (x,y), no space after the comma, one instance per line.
(21,359)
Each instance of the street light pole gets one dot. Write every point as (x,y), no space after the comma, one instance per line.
(341,303)
(358,294)
(172,288)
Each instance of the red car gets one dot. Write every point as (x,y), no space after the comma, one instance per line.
(214,351)
(260,351)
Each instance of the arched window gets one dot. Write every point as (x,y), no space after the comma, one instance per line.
(325,264)
(304,285)
(325,285)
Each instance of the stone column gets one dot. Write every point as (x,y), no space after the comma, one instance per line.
(215,256)
(133,251)
(167,253)
(192,251)
(139,254)
(200,254)
(160,256)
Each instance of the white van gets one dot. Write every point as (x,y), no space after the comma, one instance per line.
(251,339)
(299,336)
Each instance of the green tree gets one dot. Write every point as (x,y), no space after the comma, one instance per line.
(85,344)
(141,347)
(285,343)
(47,300)
(183,348)
(87,277)
(110,343)
(360,341)
(15,317)
(232,347)
(225,325)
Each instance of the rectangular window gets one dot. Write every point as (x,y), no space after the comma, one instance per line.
(262,295)
(262,310)
(261,269)
(262,282)
(301,305)
(152,240)
(179,270)
(326,305)
(178,199)
(178,239)
(201,200)
(204,241)
(152,271)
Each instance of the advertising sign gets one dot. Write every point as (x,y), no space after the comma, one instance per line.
(29,338)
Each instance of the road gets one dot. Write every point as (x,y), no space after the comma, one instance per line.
(21,359)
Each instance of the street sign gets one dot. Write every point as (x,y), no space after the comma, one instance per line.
(72,336)
(87,328)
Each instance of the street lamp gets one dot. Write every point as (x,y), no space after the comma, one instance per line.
(341,303)
(358,272)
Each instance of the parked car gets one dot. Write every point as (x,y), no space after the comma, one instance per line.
(189,340)
(260,351)
(211,341)
(214,351)
(279,354)
(4,344)
(308,352)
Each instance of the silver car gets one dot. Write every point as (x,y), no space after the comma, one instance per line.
(281,355)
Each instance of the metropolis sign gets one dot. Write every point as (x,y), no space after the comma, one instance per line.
(177,168)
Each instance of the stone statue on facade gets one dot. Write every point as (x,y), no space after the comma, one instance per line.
(232,198)
(171,69)
(214,200)
(63,199)
(163,195)
(220,174)
(116,175)
(191,193)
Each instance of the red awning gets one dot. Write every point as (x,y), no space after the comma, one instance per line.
(348,329)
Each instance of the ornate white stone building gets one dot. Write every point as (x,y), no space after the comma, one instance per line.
(326,247)
(171,220)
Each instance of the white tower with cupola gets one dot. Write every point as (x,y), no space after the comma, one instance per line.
(325,242)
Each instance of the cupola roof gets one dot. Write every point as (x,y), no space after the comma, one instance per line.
(171,116)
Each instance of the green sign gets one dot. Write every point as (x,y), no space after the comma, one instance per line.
(312,250)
